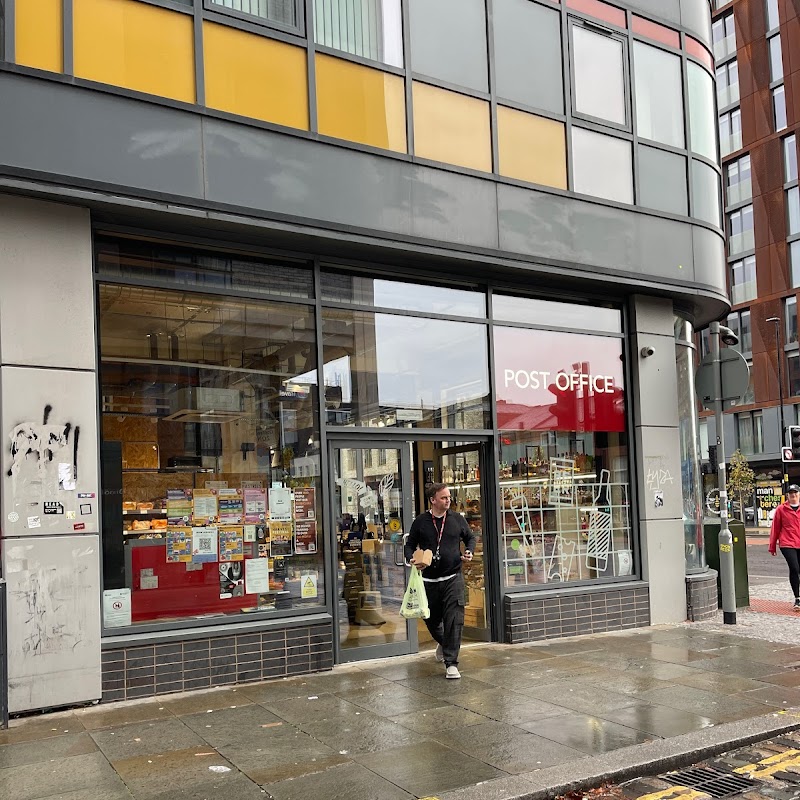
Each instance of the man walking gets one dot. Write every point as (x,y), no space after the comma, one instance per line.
(441,531)
(785,534)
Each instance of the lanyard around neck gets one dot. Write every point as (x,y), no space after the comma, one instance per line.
(438,530)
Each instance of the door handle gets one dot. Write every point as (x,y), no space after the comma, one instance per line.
(399,555)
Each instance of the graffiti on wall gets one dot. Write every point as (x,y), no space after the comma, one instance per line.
(44,443)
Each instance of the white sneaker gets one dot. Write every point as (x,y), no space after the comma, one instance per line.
(452,672)
(439,653)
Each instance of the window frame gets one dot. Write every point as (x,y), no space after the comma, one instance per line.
(300,29)
(737,163)
(788,316)
(776,92)
(747,266)
(771,57)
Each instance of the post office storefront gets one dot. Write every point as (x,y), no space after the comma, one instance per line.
(267,428)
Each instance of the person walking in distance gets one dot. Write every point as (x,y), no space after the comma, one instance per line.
(785,534)
(441,531)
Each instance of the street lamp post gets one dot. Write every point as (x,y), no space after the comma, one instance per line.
(778,356)
(726,575)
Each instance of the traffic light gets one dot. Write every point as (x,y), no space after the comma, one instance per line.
(794,441)
(712,458)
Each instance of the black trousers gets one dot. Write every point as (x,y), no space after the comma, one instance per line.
(446,622)
(792,556)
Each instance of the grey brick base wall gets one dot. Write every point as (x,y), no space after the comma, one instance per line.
(144,671)
(533,617)
(701,596)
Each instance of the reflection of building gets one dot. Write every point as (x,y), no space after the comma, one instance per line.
(235,244)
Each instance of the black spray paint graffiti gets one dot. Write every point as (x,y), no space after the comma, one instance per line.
(42,442)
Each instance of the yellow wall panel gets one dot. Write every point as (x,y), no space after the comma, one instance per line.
(360,104)
(136,46)
(451,128)
(254,76)
(531,148)
(38,38)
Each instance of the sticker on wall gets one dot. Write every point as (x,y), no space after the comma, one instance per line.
(66,477)
(53,507)
(308,586)
(13,516)
(79,526)
(34,522)
(70,515)
(658,499)
(86,495)
(86,508)
(149,582)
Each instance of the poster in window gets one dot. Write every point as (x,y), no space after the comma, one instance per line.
(231,543)
(280,538)
(256,576)
(277,574)
(230,506)
(280,503)
(204,544)
(204,506)
(305,536)
(255,505)
(231,580)
(179,545)
(179,507)
(305,503)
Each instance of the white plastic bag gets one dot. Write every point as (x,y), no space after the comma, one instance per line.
(415,601)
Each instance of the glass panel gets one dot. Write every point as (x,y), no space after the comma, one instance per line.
(740,231)
(773,19)
(790,158)
(791,320)
(527,54)
(449,39)
(793,371)
(691,476)
(730,131)
(727,84)
(506,308)
(563,457)
(360,104)
(739,181)
(775,58)
(531,148)
(387,370)
(202,414)
(793,209)
(367,291)
(662,181)
(705,193)
(152,261)
(779,107)
(701,112)
(368,511)
(746,337)
(794,262)
(451,128)
(744,424)
(599,76)
(659,95)
(723,35)
(282,11)
(367,28)
(601,166)
(743,280)
(758,432)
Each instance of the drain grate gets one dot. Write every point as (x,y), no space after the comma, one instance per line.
(711,781)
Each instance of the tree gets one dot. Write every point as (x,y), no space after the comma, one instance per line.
(741,479)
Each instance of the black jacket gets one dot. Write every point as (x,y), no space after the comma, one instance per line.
(424,535)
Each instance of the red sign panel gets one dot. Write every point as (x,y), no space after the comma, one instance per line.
(548,381)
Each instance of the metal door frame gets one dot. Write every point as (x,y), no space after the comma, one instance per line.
(367,442)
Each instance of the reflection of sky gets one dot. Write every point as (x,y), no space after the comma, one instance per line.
(547,351)
(436,299)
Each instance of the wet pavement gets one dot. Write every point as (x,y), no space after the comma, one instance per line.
(523,719)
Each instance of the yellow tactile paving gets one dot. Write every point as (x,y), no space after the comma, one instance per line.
(769,766)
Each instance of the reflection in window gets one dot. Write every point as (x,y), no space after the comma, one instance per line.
(750,432)
(283,12)
(794,263)
(728,84)
(705,193)
(532,311)
(599,75)
(790,306)
(743,280)
(740,230)
(779,107)
(793,210)
(365,290)
(659,95)
(790,158)
(739,323)
(206,403)
(701,112)
(601,166)
(793,371)
(565,502)
(723,34)
(389,370)
(368,28)
(738,181)
(730,131)
(775,58)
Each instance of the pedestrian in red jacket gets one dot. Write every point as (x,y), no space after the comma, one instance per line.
(785,534)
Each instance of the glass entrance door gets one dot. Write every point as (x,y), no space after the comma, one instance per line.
(371,512)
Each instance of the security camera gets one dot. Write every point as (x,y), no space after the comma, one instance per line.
(728,336)
(647,351)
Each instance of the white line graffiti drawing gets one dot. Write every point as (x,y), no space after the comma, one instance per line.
(598,545)
(565,552)
(522,513)
(562,482)
(384,487)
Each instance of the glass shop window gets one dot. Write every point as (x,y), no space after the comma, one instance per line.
(599,75)
(563,445)
(210,456)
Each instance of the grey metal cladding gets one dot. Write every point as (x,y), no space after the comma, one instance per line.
(709,257)
(52,127)
(696,17)
(668,10)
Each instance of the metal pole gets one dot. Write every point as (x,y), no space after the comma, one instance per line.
(777,322)
(725,538)
(3,658)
